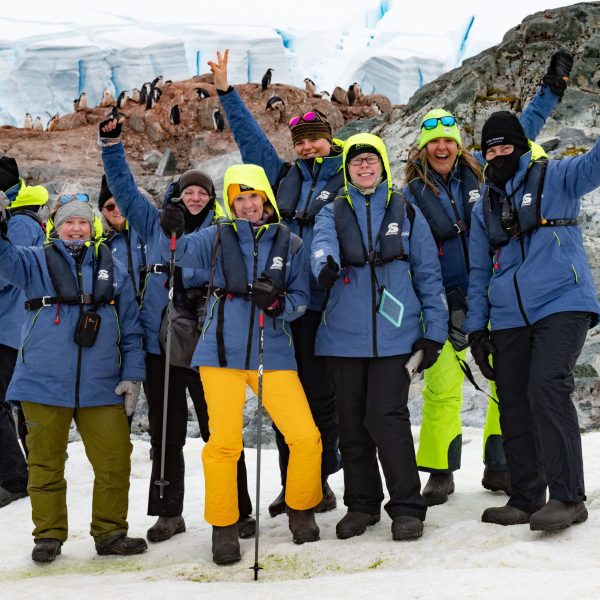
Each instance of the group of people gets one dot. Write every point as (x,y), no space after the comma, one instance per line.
(319,281)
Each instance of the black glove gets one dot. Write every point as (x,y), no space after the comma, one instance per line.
(481,348)
(329,274)
(172,219)
(457,337)
(264,294)
(431,352)
(558,72)
(116,132)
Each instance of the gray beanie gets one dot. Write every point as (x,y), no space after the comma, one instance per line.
(74,208)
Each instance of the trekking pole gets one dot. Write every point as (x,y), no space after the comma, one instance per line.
(261,340)
(162,482)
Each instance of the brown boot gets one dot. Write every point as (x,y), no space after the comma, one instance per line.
(496,481)
(165,528)
(303,526)
(355,523)
(46,549)
(505,515)
(225,545)
(246,527)
(558,515)
(438,488)
(278,506)
(329,501)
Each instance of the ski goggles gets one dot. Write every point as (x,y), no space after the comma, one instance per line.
(308,117)
(66,198)
(447,121)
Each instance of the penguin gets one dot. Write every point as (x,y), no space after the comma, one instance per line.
(202,93)
(122,99)
(325,95)
(266,80)
(135,95)
(167,81)
(144,92)
(76,105)
(153,97)
(52,123)
(376,108)
(107,99)
(311,88)
(218,120)
(354,93)
(38,125)
(157,81)
(174,115)
(27,122)
(275,102)
(83,102)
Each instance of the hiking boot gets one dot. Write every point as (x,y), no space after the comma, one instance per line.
(505,515)
(46,549)
(246,527)
(329,501)
(7,497)
(278,506)
(405,527)
(303,526)
(225,545)
(122,545)
(355,523)
(165,528)
(496,481)
(557,514)
(438,488)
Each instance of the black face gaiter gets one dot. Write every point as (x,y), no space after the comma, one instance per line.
(502,168)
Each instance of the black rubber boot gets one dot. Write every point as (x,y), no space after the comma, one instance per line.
(303,526)
(121,546)
(438,488)
(405,527)
(505,515)
(496,481)
(225,545)
(246,527)
(46,549)
(557,515)
(329,501)
(278,506)
(165,528)
(7,497)
(355,523)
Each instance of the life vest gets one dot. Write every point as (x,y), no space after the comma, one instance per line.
(288,196)
(527,217)
(442,226)
(352,249)
(66,285)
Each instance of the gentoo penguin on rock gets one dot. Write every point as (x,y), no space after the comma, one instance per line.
(275,102)
(354,93)
(108,99)
(202,93)
(174,115)
(218,120)
(135,95)
(52,123)
(122,99)
(38,125)
(76,105)
(311,88)
(266,80)
(325,95)
(83,102)
(27,122)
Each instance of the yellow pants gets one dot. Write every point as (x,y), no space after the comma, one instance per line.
(285,401)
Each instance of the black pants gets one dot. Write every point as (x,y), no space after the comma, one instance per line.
(534,376)
(13,466)
(372,396)
(180,379)
(315,379)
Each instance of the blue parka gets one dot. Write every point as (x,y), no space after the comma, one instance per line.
(51,368)
(240,318)
(256,148)
(453,260)
(544,272)
(143,217)
(351,325)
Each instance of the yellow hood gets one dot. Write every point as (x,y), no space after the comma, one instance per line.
(34,195)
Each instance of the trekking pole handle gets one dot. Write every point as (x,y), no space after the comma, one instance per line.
(412,364)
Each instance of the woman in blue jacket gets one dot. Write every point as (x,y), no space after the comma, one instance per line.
(386,303)
(198,198)
(443,180)
(257,266)
(530,279)
(81,303)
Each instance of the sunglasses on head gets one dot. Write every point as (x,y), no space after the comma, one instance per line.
(447,121)
(307,117)
(66,198)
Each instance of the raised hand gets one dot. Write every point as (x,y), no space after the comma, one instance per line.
(219,70)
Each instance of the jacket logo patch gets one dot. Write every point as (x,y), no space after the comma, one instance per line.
(392,229)
(474,195)
(114,250)
(277,263)
(102,275)
(324,195)
(526,200)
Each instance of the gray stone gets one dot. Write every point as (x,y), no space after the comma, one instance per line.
(167,164)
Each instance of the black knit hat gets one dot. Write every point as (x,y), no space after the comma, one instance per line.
(360,149)
(317,127)
(105,193)
(9,173)
(195,177)
(501,128)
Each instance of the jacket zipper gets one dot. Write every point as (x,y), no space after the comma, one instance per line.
(315,177)
(516,284)
(252,307)
(373,277)
(80,348)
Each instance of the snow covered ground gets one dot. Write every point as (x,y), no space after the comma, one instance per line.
(458,556)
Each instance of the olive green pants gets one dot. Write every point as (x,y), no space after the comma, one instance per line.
(105,434)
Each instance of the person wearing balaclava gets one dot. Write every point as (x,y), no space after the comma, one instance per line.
(25,206)
(82,360)
(198,199)
(530,281)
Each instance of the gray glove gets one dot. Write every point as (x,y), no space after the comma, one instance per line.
(131,392)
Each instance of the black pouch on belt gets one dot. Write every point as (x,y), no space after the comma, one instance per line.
(87,329)
(457,308)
